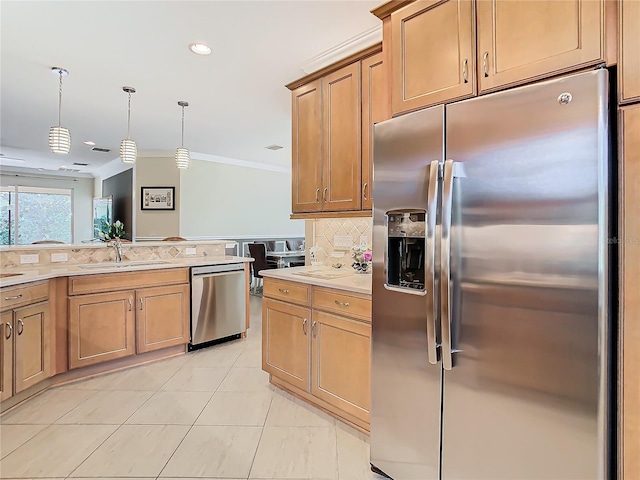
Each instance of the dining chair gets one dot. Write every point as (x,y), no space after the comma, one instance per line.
(259,254)
(294,245)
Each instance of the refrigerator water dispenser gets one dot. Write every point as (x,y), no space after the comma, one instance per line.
(406,250)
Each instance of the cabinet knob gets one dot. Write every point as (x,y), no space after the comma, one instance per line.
(317,195)
(324,194)
(130,305)
(141,304)
(304,326)
(20,326)
(284,290)
(464,71)
(364,190)
(342,304)
(15,297)
(313,329)
(9,330)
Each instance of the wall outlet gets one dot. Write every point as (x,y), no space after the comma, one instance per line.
(59,257)
(364,240)
(343,241)
(29,258)
(190,251)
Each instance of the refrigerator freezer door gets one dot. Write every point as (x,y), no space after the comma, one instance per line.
(525,398)
(406,388)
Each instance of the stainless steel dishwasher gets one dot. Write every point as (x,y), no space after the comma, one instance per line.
(218,307)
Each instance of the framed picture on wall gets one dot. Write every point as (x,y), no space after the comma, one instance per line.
(158,198)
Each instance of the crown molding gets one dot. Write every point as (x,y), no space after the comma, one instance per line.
(345,49)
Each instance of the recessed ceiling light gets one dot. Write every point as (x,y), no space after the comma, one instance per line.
(199,48)
(89,142)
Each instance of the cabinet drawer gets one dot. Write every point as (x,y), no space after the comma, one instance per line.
(287,291)
(344,303)
(12,297)
(110,282)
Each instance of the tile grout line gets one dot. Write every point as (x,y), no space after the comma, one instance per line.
(120,426)
(255,454)
(192,425)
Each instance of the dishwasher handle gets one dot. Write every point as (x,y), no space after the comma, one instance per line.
(209,269)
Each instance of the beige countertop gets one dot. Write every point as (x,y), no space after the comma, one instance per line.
(341,279)
(45,272)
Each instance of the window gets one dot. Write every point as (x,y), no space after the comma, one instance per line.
(30,214)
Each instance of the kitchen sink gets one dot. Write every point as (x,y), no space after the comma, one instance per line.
(140,263)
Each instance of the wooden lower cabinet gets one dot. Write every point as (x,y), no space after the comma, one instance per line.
(32,345)
(101,328)
(24,348)
(285,341)
(341,363)
(162,319)
(321,356)
(6,355)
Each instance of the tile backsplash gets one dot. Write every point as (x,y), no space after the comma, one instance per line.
(80,254)
(324,232)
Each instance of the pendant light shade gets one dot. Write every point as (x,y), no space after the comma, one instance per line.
(128,148)
(182,154)
(59,137)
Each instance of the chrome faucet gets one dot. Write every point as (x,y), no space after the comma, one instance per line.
(117,245)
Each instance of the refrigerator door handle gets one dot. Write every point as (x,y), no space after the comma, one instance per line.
(445,264)
(432,206)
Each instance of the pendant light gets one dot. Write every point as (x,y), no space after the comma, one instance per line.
(128,148)
(59,137)
(182,154)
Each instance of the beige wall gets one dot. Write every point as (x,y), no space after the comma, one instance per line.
(82,197)
(156,172)
(221,200)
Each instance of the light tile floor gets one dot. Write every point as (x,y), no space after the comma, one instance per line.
(208,414)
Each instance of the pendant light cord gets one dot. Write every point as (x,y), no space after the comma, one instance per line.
(129,116)
(182,143)
(60,101)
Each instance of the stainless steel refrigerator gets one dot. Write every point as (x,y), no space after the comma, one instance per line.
(490,305)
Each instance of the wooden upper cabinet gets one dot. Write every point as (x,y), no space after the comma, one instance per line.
(32,345)
(162,317)
(6,355)
(373,111)
(307,152)
(341,106)
(433,51)
(523,40)
(101,328)
(629,54)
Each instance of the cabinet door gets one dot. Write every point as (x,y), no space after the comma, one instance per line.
(285,342)
(101,328)
(341,363)
(629,56)
(6,355)
(433,50)
(373,110)
(630,301)
(523,40)
(32,345)
(341,106)
(306,172)
(162,317)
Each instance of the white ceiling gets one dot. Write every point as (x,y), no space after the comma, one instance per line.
(238,102)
